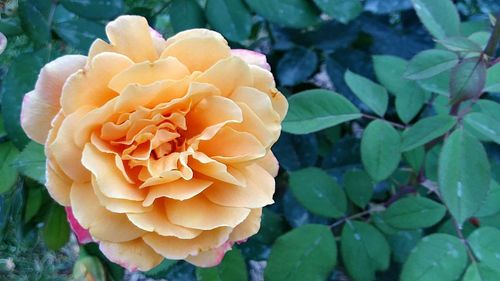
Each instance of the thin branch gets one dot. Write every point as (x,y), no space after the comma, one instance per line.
(373,209)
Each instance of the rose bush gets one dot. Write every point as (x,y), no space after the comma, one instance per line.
(158,148)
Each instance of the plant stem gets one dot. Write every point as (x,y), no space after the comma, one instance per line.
(374,209)
(494,38)
(464,240)
(367,116)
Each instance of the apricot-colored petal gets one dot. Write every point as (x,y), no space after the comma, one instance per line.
(198,49)
(149,72)
(67,153)
(82,235)
(175,248)
(156,221)
(227,75)
(229,146)
(211,257)
(58,185)
(36,116)
(269,163)
(248,227)
(130,36)
(90,86)
(131,255)
(252,58)
(200,213)
(263,81)
(97,47)
(108,177)
(179,190)
(102,224)
(203,164)
(257,193)
(120,206)
(266,134)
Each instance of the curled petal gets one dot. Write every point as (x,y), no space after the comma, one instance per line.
(132,255)
(211,257)
(252,57)
(82,234)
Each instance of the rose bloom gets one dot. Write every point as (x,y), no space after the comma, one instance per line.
(158,148)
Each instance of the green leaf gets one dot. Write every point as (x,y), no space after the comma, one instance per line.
(291,13)
(380,149)
(186,14)
(19,80)
(464,175)
(410,97)
(489,108)
(3,133)
(460,44)
(232,268)
(439,17)
(10,26)
(161,270)
(403,242)
(34,23)
(359,187)
(426,130)
(95,9)
(341,10)
(484,124)
(56,228)
(439,84)
(370,93)
(430,63)
(436,257)
(31,162)
(313,110)
(490,206)
(88,265)
(413,213)
(480,272)
(364,250)
(493,79)
(318,192)
(467,79)
(230,17)
(305,253)
(415,157)
(33,203)
(485,243)
(296,66)
(8,173)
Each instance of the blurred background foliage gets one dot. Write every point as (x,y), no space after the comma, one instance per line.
(309,44)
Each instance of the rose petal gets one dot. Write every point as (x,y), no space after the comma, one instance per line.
(131,255)
(252,57)
(82,234)
(211,257)
(248,227)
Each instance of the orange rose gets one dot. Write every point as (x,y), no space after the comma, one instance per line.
(160,148)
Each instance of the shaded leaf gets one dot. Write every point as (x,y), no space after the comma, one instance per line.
(484,124)
(31,162)
(296,66)
(56,229)
(430,63)
(8,173)
(480,272)
(485,243)
(232,268)
(230,17)
(359,187)
(186,14)
(413,213)
(439,17)
(341,10)
(95,9)
(426,130)
(370,93)
(292,13)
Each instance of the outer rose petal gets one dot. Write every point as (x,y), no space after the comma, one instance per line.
(251,57)
(42,104)
(132,255)
(212,257)
(82,234)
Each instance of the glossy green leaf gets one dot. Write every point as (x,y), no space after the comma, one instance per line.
(186,14)
(489,108)
(439,17)
(485,243)
(490,206)
(8,173)
(33,203)
(436,257)
(413,213)
(439,84)
(484,124)
(34,23)
(230,17)
(370,93)
(410,103)
(425,130)
(296,66)
(359,187)
(313,110)
(380,149)
(305,253)
(481,272)
(467,79)
(31,162)
(493,79)
(464,175)
(318,192)
(56,229)
(460,44)
(430,63)
(415,157)
(95,9)
(231,268)
(403,242)
(292,13)
(341,10)
(364,250)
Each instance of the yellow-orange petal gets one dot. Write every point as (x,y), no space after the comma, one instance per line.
(156,221)
(120,206)
(203,164)
(101,223)
(58,186)
(175,248)
(263,80)
(198,49)
(269,163)
(132,255)
(36,116)
(178,190)
(147,72)
(227,75)
(257,193)
(200,213)
(108,178)
(130,36)
(211,257)
(90,85)
(248,227)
